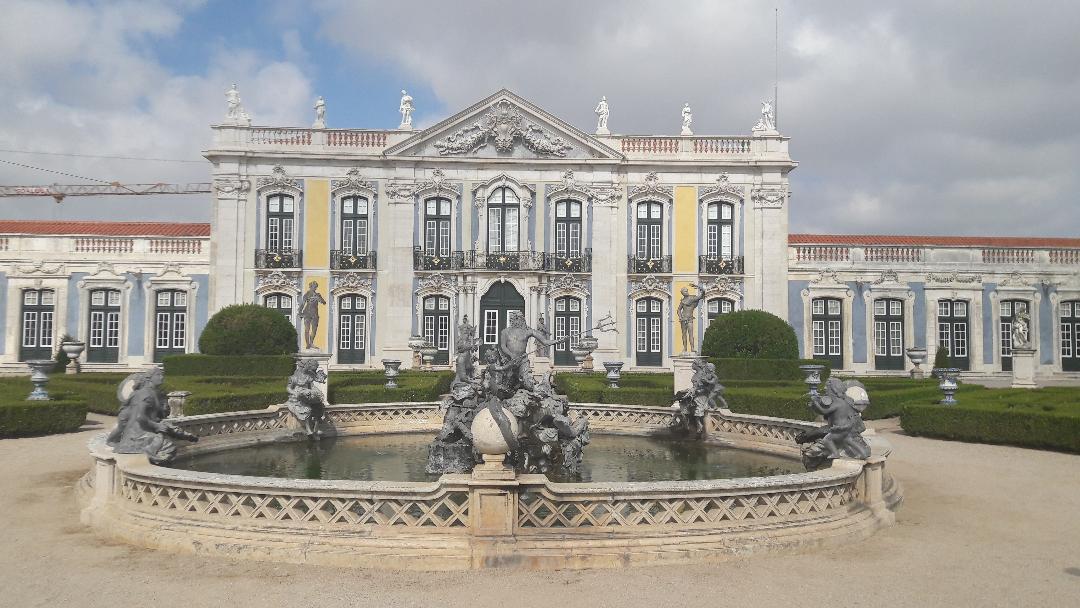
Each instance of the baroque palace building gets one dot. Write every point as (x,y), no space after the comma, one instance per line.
(505,207)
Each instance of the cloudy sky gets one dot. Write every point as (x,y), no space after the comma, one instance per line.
(921,117)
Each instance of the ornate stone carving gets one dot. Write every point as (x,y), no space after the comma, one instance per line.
(436,282)
(652,187)
(349,281)
(705,394)
(723,189)
(769,197)
(231,186)
(352,185)
(309,312)
(400,191)
(437,185)
(39,267)
(567,282)
(724,285)
(141,425)
(650,283)
(767,122)
(524,191)
(1015,279)
(502,125)
(953,277)
(828,275)
(599,194)
(842,406)
(278,182)
(887,276)
(277,280)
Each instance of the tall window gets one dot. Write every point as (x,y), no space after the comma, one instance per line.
(650,230)
(436,326)
(1009,310)
(352,329)
(718,306)
(567,323)
(648,331)
(888,334)
(37,324)
(827,324)
(718,231)
(281,302)
(1070,336)
(279,222)
(503,214)
(354,226)
(437,227)
(170,324)
(953,332)
(104,323)
(568,229)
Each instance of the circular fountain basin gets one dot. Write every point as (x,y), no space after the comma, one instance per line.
(250,489)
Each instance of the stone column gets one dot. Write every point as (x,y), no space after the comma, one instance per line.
(229,248)
(1023,368)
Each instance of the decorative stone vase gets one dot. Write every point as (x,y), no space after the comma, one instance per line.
(813,377)
(614,372)
(390,369)
(585,346)
(917,356)
(73,350)
(415,344)
(427,354)
(948,384)
(177,399)
(39,376)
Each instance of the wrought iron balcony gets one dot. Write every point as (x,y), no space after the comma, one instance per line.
(282,258)
(423,260)
(556,262)
(711,264)
(504,260)
(641,265)
(352,261)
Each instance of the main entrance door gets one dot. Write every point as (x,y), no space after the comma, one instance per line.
(495,308)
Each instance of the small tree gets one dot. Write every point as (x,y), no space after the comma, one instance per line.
(248,329)
(941,357)
(61,358)
(750,334)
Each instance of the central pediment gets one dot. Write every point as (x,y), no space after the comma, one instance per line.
(504,126)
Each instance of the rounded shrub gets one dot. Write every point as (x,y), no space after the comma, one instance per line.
(750,334)
(248,329)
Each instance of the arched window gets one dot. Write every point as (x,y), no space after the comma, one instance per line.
(104,324)
(170,324)
(649,334)
(352,329)
(953,332)
(650,215)
(281,302)
(354,226)
(38,309)
(718,306)
(1070,336)
(568,229)
(436,326)
(718,231)
(888,333)
(1009,310)
(827,323)
(437,227)
(567,323)
(503,215)
(279,223)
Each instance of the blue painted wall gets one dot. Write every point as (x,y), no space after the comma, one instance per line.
(795,312)
(858,325)
(202,306)
(1047,325)
(74,310)
(136,316)
(919,313)
(3,308)
(990,323)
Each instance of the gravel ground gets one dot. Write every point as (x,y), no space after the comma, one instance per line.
(980,526)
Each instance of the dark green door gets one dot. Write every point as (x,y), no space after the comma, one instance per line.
(649,333)
(1070,336)
(352,329)
(567,323)
(104,324)
(495,308)
(889,334)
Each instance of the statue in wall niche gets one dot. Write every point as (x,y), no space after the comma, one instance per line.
(306,402)
(406,109)
(141,427)
(1021,336)
(842,406)
(602,113)
(466,347)
(692,404)
(687,307)
(309,312)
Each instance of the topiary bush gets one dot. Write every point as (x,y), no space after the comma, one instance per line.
(750,334)
(248,329)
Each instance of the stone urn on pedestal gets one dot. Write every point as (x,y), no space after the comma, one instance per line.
(948,384)
(73,349)
(917,356)
(390,370)
(427,355)
(813,377)
(614,372)
(39,376)
(415,344)
(584,347)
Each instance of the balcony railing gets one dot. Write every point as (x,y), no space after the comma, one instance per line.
(504,260)
(636,265)
(352,261)
(422,260)
(556,262)
(717,265)
(283,258)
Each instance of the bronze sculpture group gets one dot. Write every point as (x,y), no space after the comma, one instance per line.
(841,435)
(306,401)
(141,425)
(692,404)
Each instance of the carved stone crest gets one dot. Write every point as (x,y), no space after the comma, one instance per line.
(827,276)
(352,185)
(769,198)
(567,282)
(277,280)
(723,189)
(231,186)
(279,181)
(437,185)
(650,283)
(400,191)
(652,187)
(436,282)
(887,276)
(39,267)
(953,277)
(1015,279)
(350,281)
(601,194)
(724,285)
(503,126)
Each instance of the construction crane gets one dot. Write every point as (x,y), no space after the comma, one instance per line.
(60,191)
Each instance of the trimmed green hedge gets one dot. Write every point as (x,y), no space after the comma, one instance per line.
(64,413)
(764,369)
(1046,418)
(369,387)
(248,329)
(278,366)
(750,334)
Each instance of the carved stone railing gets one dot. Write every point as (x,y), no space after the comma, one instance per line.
(175,246)
(352,261)
(893,254)
(1065,256)
(284,258)
(822,253)
(104,245)
(651,145)
(637,265)
(280,136)
(717,265)
(563,263)
(999,255)
(721,145)
(342,138)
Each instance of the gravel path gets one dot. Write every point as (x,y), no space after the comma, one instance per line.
(980,526)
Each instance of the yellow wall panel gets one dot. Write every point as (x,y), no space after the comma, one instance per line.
(684,237)
(316,223)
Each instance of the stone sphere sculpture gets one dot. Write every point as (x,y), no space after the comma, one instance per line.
(487,437)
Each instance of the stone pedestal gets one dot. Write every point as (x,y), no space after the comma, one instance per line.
(177,399)
(1023,361)
(684,369)
(493,497)
(324,366)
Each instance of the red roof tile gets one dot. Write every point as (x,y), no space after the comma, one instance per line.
(104,228)
(887,240)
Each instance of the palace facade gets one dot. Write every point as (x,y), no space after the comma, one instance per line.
(505,207)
